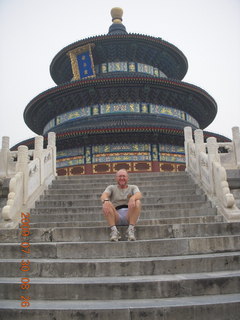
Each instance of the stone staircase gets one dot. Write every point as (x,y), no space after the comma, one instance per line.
(184,265)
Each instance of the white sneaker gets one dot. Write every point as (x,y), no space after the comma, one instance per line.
(130,233)
(115,235)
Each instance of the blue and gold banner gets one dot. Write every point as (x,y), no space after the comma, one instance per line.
(85,65)
(82,62)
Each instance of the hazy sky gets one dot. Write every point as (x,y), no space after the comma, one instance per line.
(32,32)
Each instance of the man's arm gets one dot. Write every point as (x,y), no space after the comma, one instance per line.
(105,196)
(133,199)
(107,206)
(136,196)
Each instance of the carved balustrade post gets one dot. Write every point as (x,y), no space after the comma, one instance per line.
(4,157)
(22,166)
(52,145)
(38,147)
(199,147)
(187,140)
(213,156)
(38,154)
(236,145)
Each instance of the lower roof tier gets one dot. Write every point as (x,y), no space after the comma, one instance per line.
(182,96)
(148,134)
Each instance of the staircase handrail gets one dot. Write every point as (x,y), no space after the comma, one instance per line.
(8,159)
(230,153)
(204,165)
(31,178)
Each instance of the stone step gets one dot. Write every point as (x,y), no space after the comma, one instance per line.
(98,208)
(44,203)
(200,219)
(140,248)
(99,190)
(102,233)
(77,194)
(68,215)
(139,175)
(226,261)
(132,180)
(111,179)
(220,307)
(142,181)
(101,186)
(236,194)
(128,287)
(133,177)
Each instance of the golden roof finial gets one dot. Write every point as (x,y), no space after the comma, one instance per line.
(117,14)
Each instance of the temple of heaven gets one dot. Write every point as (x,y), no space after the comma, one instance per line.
(120,102)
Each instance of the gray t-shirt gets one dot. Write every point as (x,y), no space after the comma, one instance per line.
(119,196)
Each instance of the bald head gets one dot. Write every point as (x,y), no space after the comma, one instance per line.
(122,178)
(121,172)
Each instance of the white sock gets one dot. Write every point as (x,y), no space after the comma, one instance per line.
(131,227)
(113,228)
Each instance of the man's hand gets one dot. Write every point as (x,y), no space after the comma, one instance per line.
(132,201)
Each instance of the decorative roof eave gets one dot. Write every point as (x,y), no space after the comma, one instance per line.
(86,132)
(74,133)
(39,103)
(219,137)
(120,80)
(163,130)
(79,133)
(150,40)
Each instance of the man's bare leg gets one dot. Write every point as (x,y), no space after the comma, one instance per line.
(112,218)
(133,215)
(111,215)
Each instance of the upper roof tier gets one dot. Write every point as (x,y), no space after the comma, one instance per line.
(120,46)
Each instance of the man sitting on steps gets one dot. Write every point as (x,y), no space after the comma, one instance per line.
(121,206)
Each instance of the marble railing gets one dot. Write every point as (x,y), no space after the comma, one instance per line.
(31,171)
(207,166)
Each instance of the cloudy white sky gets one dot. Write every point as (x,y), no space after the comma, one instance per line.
(32,32)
